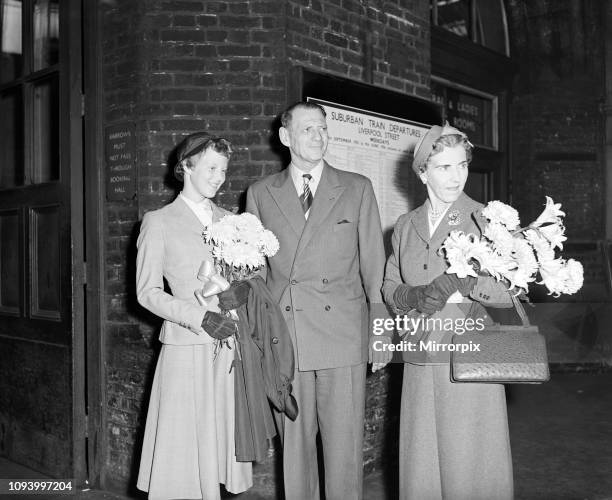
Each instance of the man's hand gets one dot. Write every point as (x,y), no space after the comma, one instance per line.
(235,296)
(380,356)
(217,326)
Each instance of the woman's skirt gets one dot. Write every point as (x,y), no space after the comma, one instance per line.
(454,440)
(188,446)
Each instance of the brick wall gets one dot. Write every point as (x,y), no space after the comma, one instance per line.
(178,66)
(557,123)
(384,43)
(127,360)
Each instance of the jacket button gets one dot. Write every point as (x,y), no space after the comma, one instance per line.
(327,308)
(325,280)
(424,266)
(287,308)
(275,340)
(426,247)
(294,282)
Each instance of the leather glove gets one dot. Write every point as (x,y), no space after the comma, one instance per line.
(235,296)
(291,406)
(217,326)
(431,298)
(423,298)
(448,284)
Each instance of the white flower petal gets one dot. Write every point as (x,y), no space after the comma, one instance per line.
(498,212)
(552,213)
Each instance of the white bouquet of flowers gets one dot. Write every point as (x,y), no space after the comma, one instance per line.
(516,254)
(240,245)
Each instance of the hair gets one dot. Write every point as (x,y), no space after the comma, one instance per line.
(287,115)
(217,144)
(448,141)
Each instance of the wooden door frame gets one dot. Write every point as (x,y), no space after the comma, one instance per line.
(93,185)
(71,147)
(83,145)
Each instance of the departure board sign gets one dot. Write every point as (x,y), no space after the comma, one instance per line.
(381,148)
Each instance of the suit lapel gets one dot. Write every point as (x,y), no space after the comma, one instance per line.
(217,213)
(328,192)
(185,215)
(420,222)
(455,219)
(285,196)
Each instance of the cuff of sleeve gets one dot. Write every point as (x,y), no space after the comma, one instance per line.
(401,297)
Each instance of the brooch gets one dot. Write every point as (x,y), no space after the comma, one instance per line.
(454,218)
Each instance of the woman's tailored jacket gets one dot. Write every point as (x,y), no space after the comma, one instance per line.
(415,259)
(171,247)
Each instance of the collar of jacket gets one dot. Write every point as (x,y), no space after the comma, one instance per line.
(329,190)
(464,206)
(181,208)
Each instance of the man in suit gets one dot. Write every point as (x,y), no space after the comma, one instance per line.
(329,266)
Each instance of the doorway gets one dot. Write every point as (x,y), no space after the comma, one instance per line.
(44,293)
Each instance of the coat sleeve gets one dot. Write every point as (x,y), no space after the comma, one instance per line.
(371,247)
(150,279)
(251,204)
(252,208)
(393,276)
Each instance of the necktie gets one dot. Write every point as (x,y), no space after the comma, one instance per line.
(306,196)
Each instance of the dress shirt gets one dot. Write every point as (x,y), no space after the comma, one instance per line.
(298,180)
(202,209)
(434,225)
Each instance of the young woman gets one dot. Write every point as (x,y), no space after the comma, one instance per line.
(189,444)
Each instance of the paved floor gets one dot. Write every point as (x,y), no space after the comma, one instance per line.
(561,434)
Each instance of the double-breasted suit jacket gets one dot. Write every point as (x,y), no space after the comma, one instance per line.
(328,267)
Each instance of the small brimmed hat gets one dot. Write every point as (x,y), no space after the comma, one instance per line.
(192,145)
(424,147)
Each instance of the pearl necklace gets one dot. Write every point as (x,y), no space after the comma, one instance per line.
(435,214)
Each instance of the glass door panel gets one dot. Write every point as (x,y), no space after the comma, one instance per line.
(11,52)
(45,31)
(46,131)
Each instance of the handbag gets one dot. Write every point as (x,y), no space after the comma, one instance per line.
(501,354)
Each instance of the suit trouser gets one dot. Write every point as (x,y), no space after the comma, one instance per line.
(331,401)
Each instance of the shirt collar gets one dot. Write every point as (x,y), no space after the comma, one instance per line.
(197,207)
(298,180)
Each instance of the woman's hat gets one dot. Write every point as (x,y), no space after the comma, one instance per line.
(424,147)
(192,145)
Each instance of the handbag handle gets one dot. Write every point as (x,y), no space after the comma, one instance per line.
(520,310)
